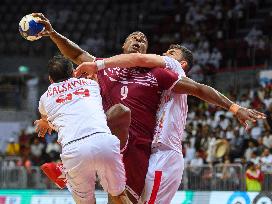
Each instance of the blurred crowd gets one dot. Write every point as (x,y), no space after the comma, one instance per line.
(218,32)
(223,33)
(207,123)
(31,150)
(250,151)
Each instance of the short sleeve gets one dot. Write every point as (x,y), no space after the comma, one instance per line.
(41,107)
(166,79)
(173,65)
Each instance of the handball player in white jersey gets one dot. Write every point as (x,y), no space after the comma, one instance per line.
(74,108)
(166,163)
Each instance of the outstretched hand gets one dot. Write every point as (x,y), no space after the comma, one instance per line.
(86,69)
(245,114)
(48,27)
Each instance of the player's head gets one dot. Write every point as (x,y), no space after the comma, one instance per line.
(136,42)
(183,55)
(60,69)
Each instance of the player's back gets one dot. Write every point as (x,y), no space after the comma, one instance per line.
(74,108)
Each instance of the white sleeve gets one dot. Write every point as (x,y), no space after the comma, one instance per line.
(173,65)
(41,107)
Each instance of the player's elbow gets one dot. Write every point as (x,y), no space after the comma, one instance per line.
(81,57)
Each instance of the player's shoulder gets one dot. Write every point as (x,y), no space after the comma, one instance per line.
(180,71)
(173,65)
(43,97)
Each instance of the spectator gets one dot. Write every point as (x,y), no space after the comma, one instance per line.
(260,146)
(215,58)
(53,150)
(196,162)
(196,73)
(249,150)
(256,132)
(195,171)
(13,148)
(266,157)
(236,146)
(253,35)
(245,101)
(30,129)
(229,175)
(255,158)
(229,132)
(203,56)
(254,178)
(224,122)
(36,150)
(25,161)
(267,100)
(24,139)
(267,139)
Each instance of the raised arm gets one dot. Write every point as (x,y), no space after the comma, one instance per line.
(123,61)
(135,60)
(210,95)
(68,48)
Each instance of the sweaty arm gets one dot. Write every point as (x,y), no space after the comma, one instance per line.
(123,61)
(68,48)
(188,86)
(135,60)
(209,94)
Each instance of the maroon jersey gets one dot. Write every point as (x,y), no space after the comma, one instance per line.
(140,90)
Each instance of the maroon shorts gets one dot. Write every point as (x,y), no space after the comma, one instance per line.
(136,159)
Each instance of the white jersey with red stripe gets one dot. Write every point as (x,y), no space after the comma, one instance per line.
(74,108)
(172,114)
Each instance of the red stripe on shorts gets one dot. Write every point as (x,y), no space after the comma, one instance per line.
(156,186)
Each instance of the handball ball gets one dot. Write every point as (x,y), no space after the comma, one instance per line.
(29,28)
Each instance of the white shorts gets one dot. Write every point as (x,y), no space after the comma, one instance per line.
(163,177)
(83,159)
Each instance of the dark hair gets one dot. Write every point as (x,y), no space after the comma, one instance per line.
(136,33)
(60,68)
(249,164)
(187,54)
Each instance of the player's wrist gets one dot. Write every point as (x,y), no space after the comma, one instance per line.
(52,33)
(234,108)
(100,64)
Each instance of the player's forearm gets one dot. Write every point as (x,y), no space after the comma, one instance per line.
(213,96)
(135,60)
(204,92)
(70,49)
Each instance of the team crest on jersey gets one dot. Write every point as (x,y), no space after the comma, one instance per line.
(131,76)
